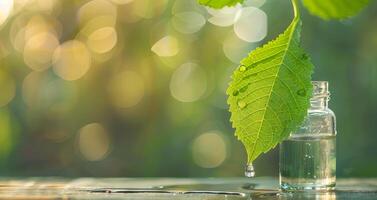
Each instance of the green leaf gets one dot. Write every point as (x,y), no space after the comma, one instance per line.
(219,3)
(335,9)
(270,91)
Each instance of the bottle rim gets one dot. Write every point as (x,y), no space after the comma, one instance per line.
(320,89)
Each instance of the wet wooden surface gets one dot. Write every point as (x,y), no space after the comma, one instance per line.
(170,188)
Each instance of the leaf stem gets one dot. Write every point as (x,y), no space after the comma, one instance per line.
(296,9)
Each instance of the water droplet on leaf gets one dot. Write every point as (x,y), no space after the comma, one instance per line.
(301,92)
(241,104)
(242,68)
(235,93)
(249,171)
(244,88)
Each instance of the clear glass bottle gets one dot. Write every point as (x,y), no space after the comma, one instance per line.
(307,157)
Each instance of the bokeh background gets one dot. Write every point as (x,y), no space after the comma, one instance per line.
(137,87)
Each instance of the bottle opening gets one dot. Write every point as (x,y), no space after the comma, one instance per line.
(320,89)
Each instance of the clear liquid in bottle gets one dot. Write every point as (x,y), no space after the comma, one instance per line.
(308,163)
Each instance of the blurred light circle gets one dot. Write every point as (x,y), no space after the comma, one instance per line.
(235,49)
(224,17)
(149,8)
(7,88)
(24,27)
(97,8)
(71,60)
(6,7)
(188,22)
(126,89)
(39,24)
(166,47)
(94,142)
(251,25)
(222,21)
(39,49)
(188,83)
(209,150)
(121,2)
(18,5)
(224,11)
(102,40)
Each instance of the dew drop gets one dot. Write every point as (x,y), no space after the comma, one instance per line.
(244,88)
(235,93)
(242,68)
(249,171)
(241,104)
(301,92)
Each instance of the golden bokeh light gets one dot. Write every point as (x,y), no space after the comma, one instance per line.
(6,7)
(33,6)
(102,40)
(39,24)
(188,83)
(19,5)
(46,6)
(166,47)
(71,60)
(121,2)
(94,142)
(209,150)
(7,88)
(39,49)
(25,27)
(97,8)
(126,89)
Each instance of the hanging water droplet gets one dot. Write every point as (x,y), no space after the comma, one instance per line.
(241,104)
(301,92)
(235,93)
(242,68)
(249,171)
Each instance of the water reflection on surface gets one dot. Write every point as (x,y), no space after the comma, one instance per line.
(170,189)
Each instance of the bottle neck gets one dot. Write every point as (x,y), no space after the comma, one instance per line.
(319,103)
